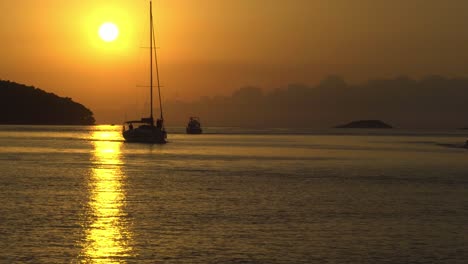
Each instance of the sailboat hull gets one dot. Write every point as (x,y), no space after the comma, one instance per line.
(145,134)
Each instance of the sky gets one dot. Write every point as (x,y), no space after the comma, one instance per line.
(213,47)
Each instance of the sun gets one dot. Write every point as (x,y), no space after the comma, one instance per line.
(108,32)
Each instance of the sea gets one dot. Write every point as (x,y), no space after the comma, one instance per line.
(80,194)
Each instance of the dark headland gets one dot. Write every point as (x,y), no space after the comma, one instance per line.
(365,124)
(21,104)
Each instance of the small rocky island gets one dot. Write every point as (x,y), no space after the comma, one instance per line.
(21,104)
(365,124)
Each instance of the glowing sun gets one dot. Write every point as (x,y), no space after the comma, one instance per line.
(108,32)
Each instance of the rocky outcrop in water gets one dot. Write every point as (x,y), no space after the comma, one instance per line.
(365,124)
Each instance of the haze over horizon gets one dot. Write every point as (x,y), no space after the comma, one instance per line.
(213,48)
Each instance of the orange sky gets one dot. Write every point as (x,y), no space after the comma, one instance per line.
(212,47)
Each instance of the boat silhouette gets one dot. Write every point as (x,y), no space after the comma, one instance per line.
(194,126)
(145,130)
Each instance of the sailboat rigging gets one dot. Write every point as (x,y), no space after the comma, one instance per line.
(146,131)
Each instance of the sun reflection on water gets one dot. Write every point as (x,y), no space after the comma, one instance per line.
(107,234)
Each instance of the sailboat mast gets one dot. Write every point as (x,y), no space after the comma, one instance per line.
(151,62)
(157,73)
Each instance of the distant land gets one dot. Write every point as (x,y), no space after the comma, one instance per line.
(432,102)
(21,104)
(365,124)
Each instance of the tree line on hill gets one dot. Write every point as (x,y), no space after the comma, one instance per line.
(21,104)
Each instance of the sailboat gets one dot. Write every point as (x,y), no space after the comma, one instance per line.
(145,130)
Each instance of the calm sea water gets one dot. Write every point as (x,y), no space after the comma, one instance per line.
(82,195)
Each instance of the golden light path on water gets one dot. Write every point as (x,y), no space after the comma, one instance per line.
(107,234)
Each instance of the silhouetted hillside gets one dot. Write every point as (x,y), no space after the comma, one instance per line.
(432,102)
(20,104)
